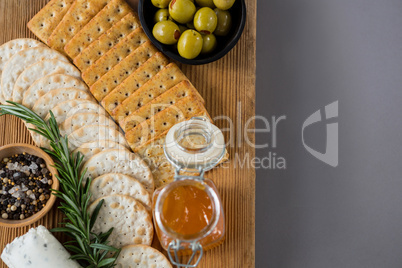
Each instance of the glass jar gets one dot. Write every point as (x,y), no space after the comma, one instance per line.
(188,212)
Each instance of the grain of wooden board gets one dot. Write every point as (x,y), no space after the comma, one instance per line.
(228,86)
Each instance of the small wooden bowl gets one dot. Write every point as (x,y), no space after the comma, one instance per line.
(19,148)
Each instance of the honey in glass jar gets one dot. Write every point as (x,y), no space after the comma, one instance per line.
(188,212)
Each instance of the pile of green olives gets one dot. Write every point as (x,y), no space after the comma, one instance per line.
(192,25)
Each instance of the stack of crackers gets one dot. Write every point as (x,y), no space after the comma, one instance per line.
(44,80)
(135,83)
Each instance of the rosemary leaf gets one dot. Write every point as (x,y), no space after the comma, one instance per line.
(88,248)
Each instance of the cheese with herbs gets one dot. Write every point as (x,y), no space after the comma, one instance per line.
(37,248)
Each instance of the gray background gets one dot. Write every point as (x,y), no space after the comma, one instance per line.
(309,54)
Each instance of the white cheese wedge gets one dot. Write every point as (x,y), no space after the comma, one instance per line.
(37,248)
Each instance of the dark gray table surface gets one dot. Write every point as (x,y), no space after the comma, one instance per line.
(311,53)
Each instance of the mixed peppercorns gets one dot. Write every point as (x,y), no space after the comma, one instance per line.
(25,186)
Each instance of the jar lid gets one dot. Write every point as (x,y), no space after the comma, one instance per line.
(195,145)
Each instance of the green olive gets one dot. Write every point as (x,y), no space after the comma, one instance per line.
(205,3)
(167,32)
(224,22)
(209,43)
(182,11)
(190,44)
(161,3)
(205,20)
(224,4)
(161,15)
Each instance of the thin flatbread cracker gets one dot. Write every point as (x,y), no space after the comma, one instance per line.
(53,81)
(65,110)
(39,70)
(68,108)
(114,56)
(107,41)
(111,13)
(120,161)
(91,148)
(79,120)
(10,48)
(46,20)
(79,14)
(158,104)
(121,71)
(167,78)
(17,64)
(131,221)
(121,184)
(164,120)
(52,98)
(141,256)
(132,83)
(91,133)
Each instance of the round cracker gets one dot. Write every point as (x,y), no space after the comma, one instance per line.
(10,48)
(141,256)
(48,101)
(67,108)
(92,133)
(39,70)
(120,161)
(131,221)
(62,110)
(79,120)
(17,64)
(50,82)
(91,148)
(121,184)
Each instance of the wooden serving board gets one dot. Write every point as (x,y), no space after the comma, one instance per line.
(228,86)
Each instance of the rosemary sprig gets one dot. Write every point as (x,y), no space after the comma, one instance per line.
(89,249)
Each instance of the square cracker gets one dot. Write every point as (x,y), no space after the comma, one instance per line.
(150,68)
(121,71)
(106,41)
(164,120)
(114,11)
(158,104)
(114,56)
(79,14)
(167,78)
(47,19)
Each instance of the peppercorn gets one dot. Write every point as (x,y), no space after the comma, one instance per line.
(29,194)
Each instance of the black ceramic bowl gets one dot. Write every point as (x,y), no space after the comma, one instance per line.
(146,12)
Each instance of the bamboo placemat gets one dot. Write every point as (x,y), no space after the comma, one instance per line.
(228,86)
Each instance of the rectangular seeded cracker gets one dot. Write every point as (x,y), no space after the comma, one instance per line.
(47,19)
(167,78)
(121,71)
(164,120)
(79,14)
(170,97)
(114,56)
(106,41)
(114,11)
(150,68)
